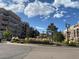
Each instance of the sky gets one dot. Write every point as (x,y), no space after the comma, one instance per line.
(40,13)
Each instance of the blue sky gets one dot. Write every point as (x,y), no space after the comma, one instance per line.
(40,13)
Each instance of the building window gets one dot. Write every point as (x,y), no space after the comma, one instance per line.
(6,14)
(2,29)
(68,34)
(5,19)
(4,24)
(77,32)
(74,33)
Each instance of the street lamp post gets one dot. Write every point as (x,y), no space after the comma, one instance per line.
(49,33)
(67,27)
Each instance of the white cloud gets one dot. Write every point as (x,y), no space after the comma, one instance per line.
(59,14)
(14,5)
(38,8)
(66,3)
(47,17)
(2,5)
(39,28)
(45,9)
(16,1)
(0,0)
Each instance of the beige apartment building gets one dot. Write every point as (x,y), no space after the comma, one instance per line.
(10,21)
(72,33)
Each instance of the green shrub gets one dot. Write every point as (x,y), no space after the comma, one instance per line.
(37,41)
(7,35)
(66,42)
(15,40)
(72,43)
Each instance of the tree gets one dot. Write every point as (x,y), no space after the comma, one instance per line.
(52,30)
(54,34)
(33,33)
(7,34)
(58,37)
(36,33)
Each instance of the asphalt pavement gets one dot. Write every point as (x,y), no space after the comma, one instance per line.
(13,51)
(33,51)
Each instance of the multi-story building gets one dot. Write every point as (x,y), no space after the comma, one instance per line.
(72,33)
(10,21)
(25,30)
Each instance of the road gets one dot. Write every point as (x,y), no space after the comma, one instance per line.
(48,52)
(11,51)
(30,51)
